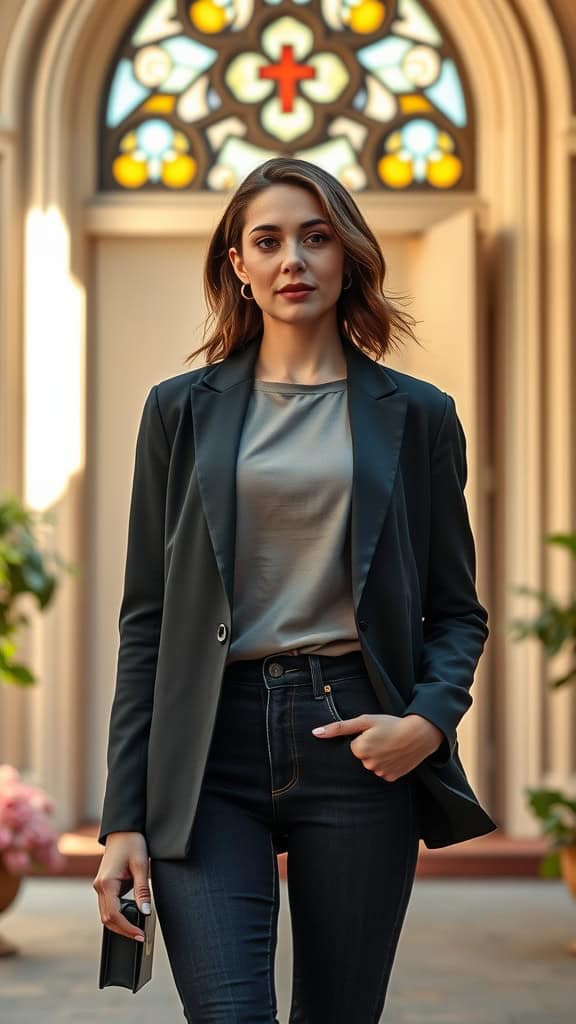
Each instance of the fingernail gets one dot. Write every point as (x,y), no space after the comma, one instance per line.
(145,908)
(139,938)
(319,730)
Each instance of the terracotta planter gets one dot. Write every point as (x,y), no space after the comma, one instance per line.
(9,886)
(568,862)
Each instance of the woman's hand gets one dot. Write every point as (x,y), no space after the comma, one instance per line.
(387,745)
(124,865)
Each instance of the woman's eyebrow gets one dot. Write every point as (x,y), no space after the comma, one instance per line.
(274,227)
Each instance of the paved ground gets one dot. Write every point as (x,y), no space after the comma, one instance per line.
(473,952)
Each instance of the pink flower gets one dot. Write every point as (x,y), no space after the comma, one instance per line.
(26,836)
(38,832)
(16,861)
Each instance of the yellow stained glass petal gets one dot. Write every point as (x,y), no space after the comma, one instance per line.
(394,141)
(444,173)
(445,142)
(287,126)
(354,132)
(395,171)
(193,104)
(236,159)
(180,142)
(152,65)
(334,155)
(209,17)
(242,11)
(128,142)
(331,78)
(222,178)
(159,21)
(338,157)
(287,32)
(242,78)
(128,172)
(415,23)
(380,104)
(415,104)
(160,104)
(332,13)
(421,65)
(219,132)
(179,172)
(366,17)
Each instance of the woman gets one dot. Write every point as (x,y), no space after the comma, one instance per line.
(299,556)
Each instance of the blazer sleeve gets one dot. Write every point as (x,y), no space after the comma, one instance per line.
(124,807)
(455,622)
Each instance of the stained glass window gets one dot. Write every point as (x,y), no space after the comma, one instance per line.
(201,92)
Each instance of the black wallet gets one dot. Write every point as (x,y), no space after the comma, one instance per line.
(125,961)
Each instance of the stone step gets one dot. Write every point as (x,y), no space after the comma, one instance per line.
(498,856)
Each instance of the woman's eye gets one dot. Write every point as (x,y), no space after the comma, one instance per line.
(315,234)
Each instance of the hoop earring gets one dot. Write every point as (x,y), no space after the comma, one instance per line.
(347,286)
(242,293)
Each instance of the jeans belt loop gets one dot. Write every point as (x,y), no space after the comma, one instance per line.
(316,673)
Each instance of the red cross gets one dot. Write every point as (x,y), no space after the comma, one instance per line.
(287,74)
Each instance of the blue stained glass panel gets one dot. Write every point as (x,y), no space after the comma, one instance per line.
(447,94)
(189,53)
(126,93)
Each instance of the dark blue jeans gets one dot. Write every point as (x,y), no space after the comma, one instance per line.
(352,843)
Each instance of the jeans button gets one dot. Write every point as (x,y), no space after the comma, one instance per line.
(276,669)
(362,624)
(222,632)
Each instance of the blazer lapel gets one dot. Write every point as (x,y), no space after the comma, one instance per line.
(377,412)
(219,404)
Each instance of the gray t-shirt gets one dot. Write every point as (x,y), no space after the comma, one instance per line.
(292,583)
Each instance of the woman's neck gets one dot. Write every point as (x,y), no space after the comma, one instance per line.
(296,362)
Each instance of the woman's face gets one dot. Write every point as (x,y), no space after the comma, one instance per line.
(287,240)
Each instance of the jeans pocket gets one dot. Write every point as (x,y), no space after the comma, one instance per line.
(351,696)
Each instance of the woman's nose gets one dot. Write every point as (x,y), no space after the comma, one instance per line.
(293,257)
(293,253)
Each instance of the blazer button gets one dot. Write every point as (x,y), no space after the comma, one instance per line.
(222,632)
(362,624)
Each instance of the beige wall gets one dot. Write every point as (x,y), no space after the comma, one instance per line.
(441,269)
(146,305)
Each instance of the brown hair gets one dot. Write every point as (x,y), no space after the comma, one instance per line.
(368,316)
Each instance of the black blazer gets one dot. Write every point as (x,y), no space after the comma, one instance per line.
(421,626)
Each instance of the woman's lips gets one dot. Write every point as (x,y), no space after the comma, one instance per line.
(300,294)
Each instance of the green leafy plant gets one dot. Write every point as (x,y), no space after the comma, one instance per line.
(555,627)
(557,813)
(26,567)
